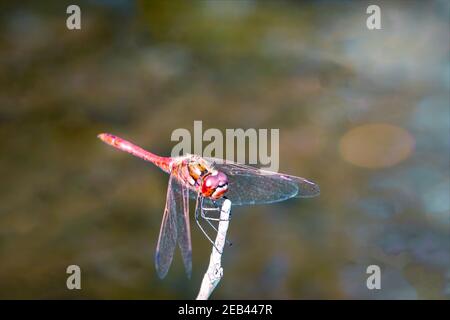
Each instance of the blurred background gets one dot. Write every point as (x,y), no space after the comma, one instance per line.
(363,113)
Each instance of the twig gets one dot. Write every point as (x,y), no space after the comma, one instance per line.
(215,271)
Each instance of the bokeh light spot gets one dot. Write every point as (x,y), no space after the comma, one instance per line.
(376,145)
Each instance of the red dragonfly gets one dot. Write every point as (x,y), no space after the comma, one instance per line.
(209,180)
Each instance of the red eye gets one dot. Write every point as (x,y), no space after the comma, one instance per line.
(210,183)
(215,186)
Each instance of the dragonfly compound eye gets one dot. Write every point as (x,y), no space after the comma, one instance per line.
(215,185)
(222,179)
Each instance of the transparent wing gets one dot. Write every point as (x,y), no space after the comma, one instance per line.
(178,187)
(184,230)
(250,185)
(174,228)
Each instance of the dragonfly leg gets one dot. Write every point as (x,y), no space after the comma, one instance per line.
(207,219)
(215,229)
(217,208)
(197,220)
(211,209)
(204,216)
(206,235)
(210,223)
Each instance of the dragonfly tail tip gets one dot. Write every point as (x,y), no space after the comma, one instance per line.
(101,136)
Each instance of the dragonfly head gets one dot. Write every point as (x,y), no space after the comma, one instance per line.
(215,185)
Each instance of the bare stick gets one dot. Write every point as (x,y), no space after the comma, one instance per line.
(215,271)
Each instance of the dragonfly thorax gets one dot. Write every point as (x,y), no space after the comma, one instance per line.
(200,176)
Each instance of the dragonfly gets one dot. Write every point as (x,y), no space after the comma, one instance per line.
(209,181)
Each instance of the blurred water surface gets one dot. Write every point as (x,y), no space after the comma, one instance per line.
(365,114)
